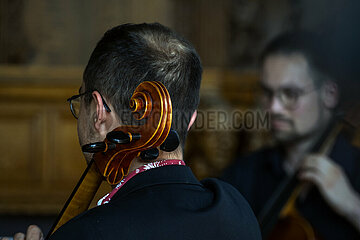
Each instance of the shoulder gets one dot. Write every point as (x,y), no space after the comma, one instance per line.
(225,191)
(234,211)
(80,227)
(348,157)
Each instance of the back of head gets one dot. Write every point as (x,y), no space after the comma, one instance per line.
(132,53)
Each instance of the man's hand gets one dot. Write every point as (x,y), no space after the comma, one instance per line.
(334,186)
(33,233)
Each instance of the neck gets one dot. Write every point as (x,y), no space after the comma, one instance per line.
(138,162)
(297,150)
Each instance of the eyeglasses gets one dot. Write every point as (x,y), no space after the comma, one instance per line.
(288,96)
(75,103)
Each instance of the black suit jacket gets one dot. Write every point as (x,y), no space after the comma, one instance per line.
(167,203)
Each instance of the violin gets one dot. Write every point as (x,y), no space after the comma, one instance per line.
(152,111)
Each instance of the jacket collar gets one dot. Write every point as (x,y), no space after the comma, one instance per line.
(158,176)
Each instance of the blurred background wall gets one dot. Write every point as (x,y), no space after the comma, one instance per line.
(44,46)
(228,33)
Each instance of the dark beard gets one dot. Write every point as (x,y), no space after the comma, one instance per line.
(291,137)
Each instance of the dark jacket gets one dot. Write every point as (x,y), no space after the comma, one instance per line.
(258,175)
(167,203)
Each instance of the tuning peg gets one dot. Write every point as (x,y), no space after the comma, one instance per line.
(119,137)
(97,147)
(171,142)
(150,154)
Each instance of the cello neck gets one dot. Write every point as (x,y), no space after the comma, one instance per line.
(81,197)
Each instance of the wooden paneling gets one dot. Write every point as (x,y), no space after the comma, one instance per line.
(40,159)
(21,134)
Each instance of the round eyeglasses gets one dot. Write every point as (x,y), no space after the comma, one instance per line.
(288,96)
(74,102)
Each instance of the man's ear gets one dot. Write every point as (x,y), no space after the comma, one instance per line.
(330,94)
(102,119)
(192,120)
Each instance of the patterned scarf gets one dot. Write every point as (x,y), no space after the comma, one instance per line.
(141,169)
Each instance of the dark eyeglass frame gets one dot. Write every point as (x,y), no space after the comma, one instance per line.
(280,93)
(70,99)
